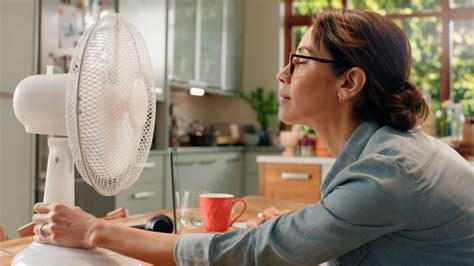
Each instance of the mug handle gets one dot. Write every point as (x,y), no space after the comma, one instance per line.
(241,212)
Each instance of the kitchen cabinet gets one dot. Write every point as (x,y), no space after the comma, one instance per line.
(298,183)
(146,194)
(211,44)
(150,18)
(295,179)
(215,170)
(232,62)
(182,32)
(206,44)
(251,181)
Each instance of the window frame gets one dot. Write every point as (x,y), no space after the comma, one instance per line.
(446,15)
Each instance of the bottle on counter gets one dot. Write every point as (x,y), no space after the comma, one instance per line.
(306,144)
(457,122)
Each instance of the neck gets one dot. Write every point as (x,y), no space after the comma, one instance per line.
(335,132)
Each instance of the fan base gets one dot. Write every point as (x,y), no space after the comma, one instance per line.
(40,254)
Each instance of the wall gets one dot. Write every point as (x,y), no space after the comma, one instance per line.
(262,25)
(17,60)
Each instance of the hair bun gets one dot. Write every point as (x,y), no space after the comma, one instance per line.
(407,108)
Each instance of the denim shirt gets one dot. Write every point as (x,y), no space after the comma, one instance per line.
(391,198)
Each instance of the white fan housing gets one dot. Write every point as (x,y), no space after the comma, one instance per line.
(106,108)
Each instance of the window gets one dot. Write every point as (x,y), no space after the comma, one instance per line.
(441,34)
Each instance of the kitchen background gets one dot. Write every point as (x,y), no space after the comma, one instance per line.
(224,47)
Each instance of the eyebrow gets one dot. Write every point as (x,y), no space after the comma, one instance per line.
(303,48)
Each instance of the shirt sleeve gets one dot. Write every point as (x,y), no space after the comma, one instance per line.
(365,200)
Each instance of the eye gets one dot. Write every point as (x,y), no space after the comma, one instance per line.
(298,60)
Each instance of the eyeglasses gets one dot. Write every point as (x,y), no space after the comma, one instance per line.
(292,65)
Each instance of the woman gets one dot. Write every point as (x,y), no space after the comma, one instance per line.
(394,195)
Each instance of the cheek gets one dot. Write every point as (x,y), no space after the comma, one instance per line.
(311,98)
(301,105)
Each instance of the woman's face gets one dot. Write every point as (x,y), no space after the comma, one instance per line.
(309,95)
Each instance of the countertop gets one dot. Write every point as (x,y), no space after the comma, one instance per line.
(295,160)
(302,160)
(206,149)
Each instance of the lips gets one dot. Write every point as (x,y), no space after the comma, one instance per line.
(283,97)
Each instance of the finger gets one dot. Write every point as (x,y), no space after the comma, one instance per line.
(273,209)
(267,215)
(37,229)
(42,207)
(42,239)
(40,218)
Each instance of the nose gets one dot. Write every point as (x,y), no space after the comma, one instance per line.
(284,75)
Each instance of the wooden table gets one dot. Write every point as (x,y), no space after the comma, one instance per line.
(255,204)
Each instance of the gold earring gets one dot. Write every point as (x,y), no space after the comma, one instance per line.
(341,100)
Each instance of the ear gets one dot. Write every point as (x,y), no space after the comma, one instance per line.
(352,82)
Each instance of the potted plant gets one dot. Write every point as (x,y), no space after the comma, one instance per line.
(265,106)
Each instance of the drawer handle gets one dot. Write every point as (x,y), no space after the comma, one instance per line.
(208,161)
(233,160)
(295,176)
(186,163)
(149,165)
(143,195)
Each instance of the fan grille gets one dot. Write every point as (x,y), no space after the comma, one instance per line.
(107,146)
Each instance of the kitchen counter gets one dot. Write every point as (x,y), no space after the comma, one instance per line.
(201,149)
(303,160)
(295,160)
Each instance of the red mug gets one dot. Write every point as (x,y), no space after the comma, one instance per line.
(216,209)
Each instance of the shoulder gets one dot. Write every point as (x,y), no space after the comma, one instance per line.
(406,149)
(415,152)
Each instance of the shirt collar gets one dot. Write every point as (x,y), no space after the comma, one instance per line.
(352,149)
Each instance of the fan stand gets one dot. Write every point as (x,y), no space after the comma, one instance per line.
(59,188)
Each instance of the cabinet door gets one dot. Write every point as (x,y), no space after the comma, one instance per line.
(210,38)
(154,169)
(233,45)
(233,181)
(91,201)
(183,35)
(293,182)
(149,17)
(251,186)
(141,197)
(187,172)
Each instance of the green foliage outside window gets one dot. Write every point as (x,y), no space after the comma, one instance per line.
(397,6)
(425,40)
(309,7)
(462,64)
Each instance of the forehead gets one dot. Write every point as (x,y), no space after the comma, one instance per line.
(306,43)
(308,46)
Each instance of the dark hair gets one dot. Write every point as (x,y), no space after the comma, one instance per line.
(378,46)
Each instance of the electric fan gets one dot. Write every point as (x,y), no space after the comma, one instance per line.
(105,106)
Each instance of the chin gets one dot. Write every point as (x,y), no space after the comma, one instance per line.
(288,119)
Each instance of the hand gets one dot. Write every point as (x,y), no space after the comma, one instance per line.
(60,225)
(269,214)
(3,234)
(273,212)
